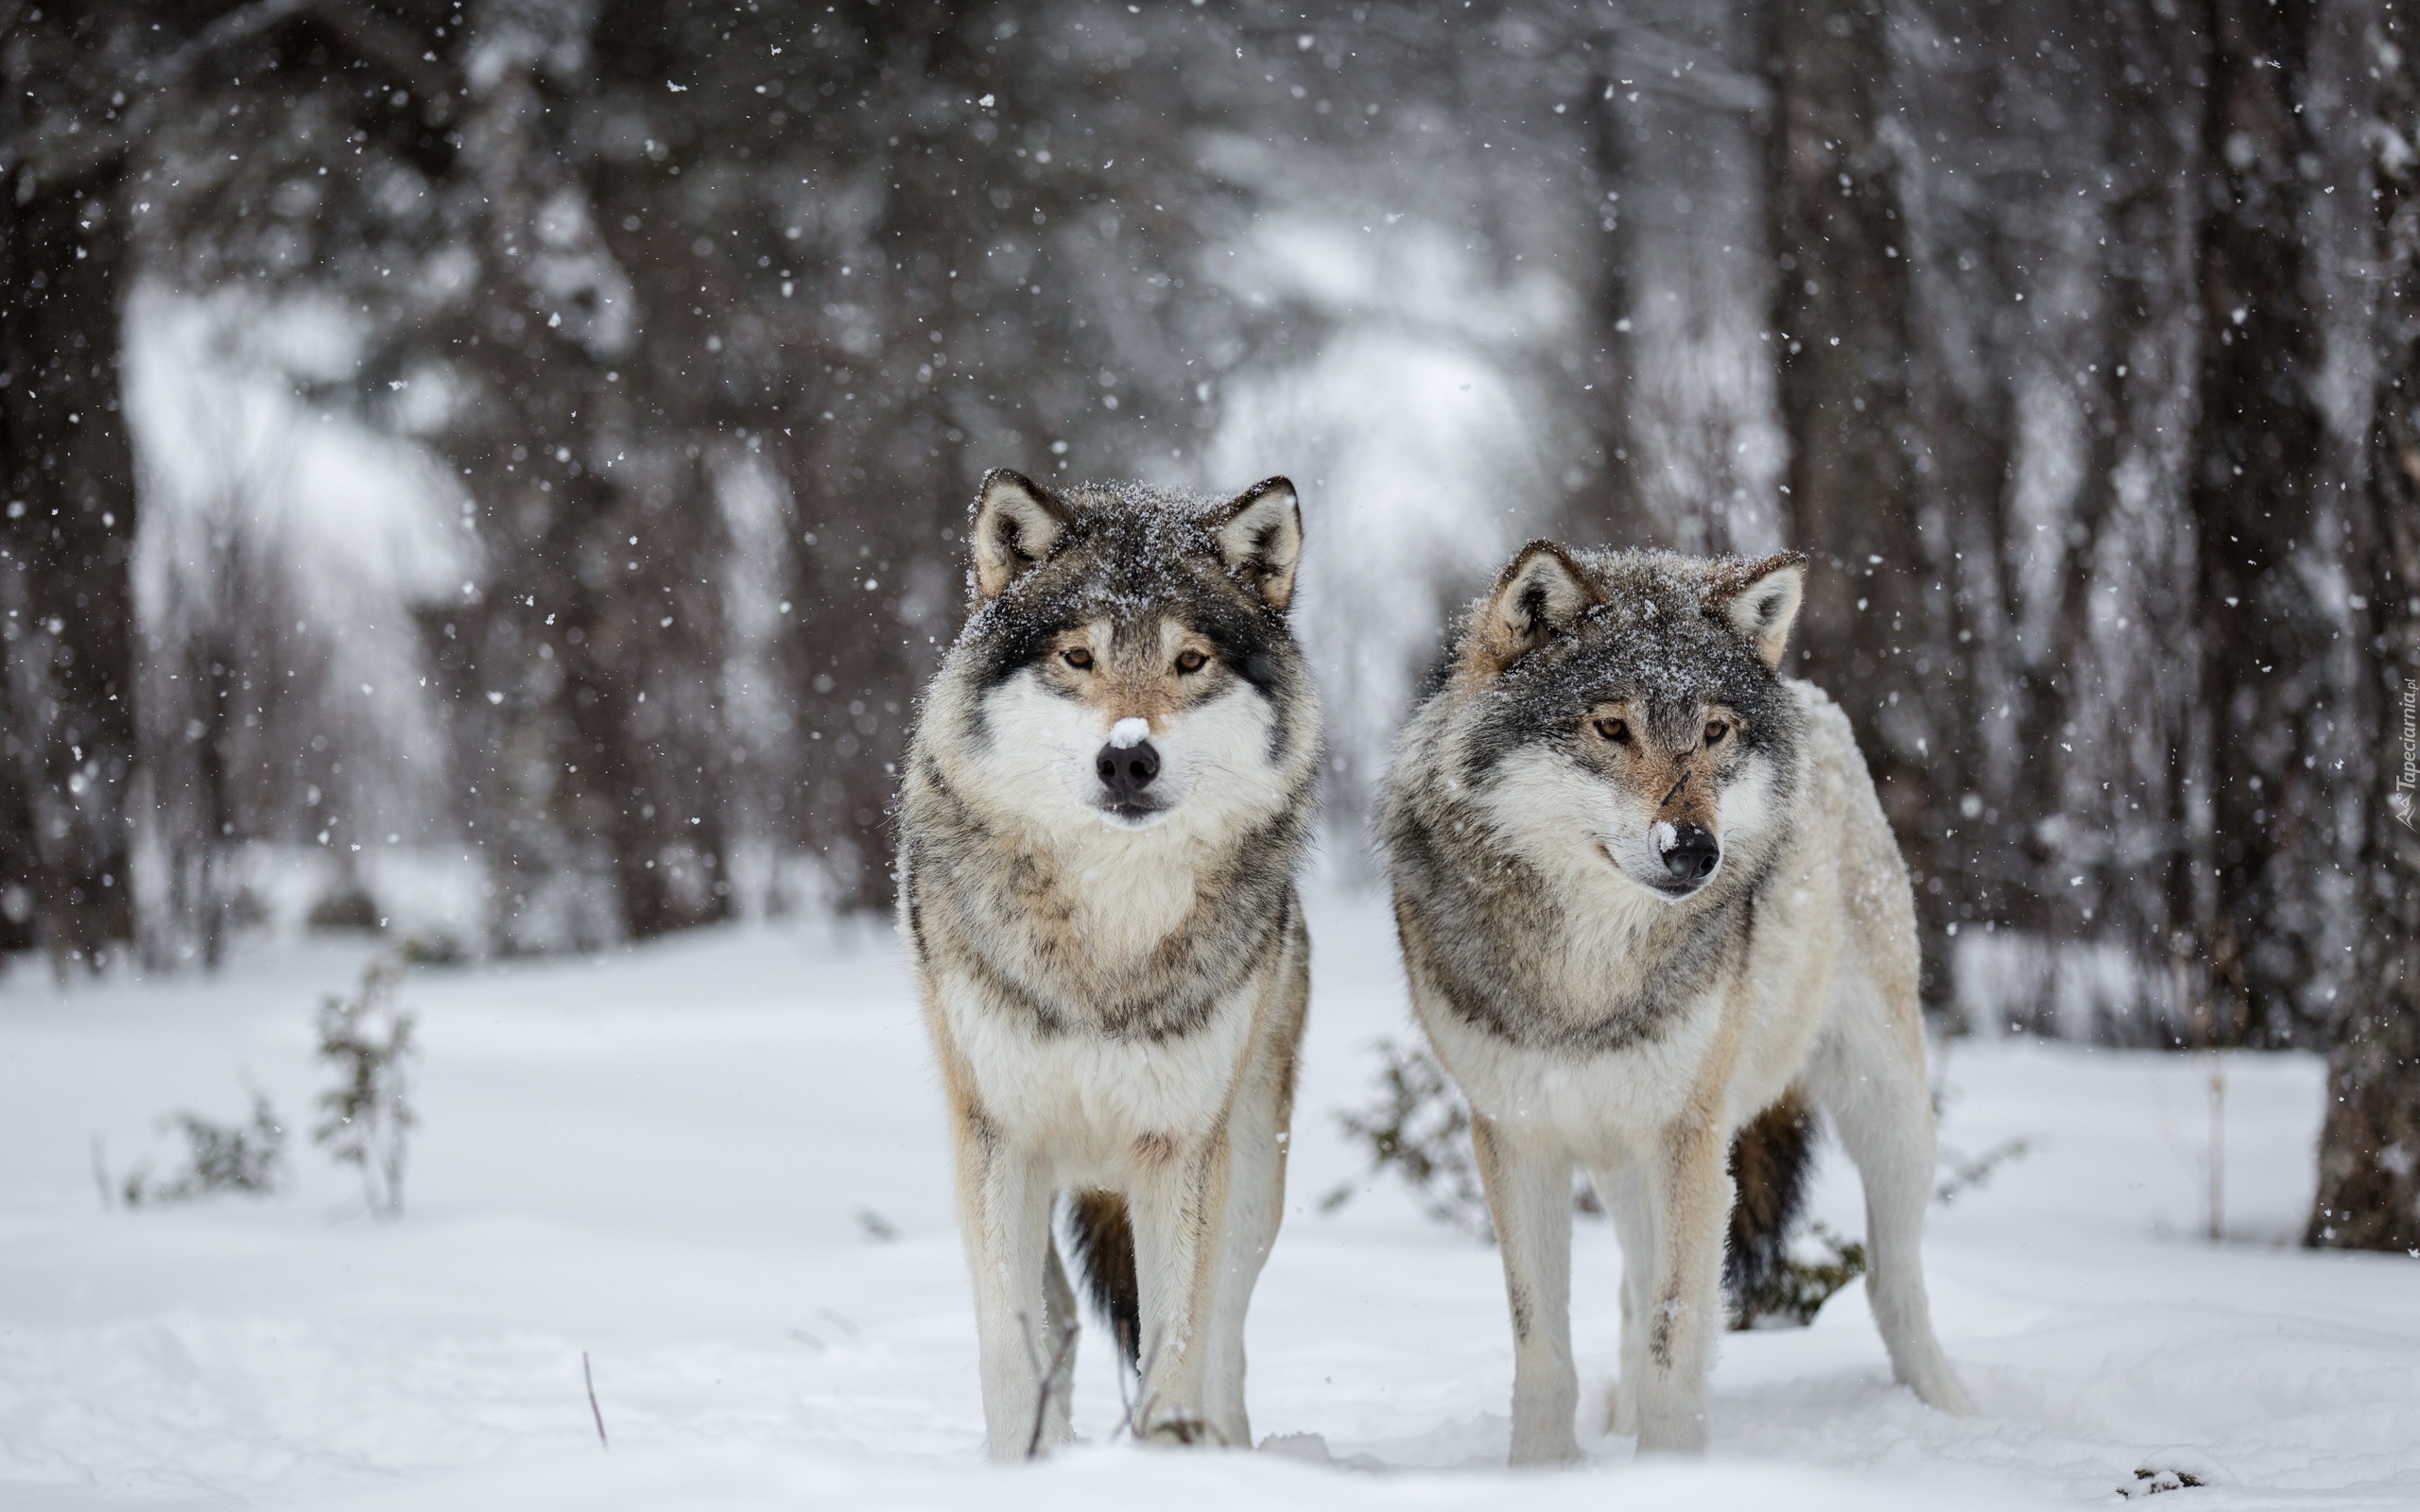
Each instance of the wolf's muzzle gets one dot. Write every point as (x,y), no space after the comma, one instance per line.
(1125,771)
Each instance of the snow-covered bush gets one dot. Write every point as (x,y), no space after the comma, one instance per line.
(1419,1129)
(434,947)
(1797,1289)
(247,1157)
(366,1039)
(1964,1175)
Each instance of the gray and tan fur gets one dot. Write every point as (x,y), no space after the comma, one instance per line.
(1104,805)
(1648,899)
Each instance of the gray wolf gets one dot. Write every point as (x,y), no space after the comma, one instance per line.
(1104,804)
(1647,900)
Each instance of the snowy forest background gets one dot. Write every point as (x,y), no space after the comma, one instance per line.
(499,462)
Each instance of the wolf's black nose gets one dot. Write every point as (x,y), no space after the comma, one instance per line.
(1126,770)
(1692,855)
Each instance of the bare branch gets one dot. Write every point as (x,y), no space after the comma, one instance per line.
(1045,1381)
(594,1411)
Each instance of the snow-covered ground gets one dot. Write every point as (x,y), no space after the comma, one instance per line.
(717,1166)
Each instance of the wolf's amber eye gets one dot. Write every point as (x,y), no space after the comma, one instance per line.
(1078,658)
(1715,731)
(1616,730)
(1190,661)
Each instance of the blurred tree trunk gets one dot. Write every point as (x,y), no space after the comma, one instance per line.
(2369,1153)
(649,735)
(2135,388)
(67,487)
(2153,77)
(1968,343)
(19,864)
(1607,507)
(85,83)
(210,670)
(2260,459)
(1843,320)
(2052,669)
(601,772)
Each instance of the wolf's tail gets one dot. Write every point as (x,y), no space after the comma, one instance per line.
(1769,1163)
(1100,1240)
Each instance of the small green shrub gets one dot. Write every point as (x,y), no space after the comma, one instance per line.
(246,1159)
(1972,1176)
(1419,1129)
(367,1039)
(1798,1287)
(434,948)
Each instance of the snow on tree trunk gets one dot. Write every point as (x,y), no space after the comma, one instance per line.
(2369,1153)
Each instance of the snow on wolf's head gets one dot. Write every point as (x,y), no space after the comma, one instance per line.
(1630,705)
(1127,666)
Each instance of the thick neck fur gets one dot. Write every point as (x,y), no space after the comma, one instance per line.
(1124,932)
(1537,938)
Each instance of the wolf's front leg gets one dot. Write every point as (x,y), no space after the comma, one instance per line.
(1690,1192)
(1255,1203)
(1623,1191)
(1004,1211)
(1528,1195)
(1258,1123)
(1060,1329)
(1179,1210)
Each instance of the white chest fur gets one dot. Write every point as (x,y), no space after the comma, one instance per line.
(1088,1098)
(1598,1108)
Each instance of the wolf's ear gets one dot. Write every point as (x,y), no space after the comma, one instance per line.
(1760,598)
(1534,600)
(1017,524)
(1260,536)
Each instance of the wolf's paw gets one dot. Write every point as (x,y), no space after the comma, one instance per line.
(1181,1428)
(1310,1447)
(1946,1394)
(1937,1386)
